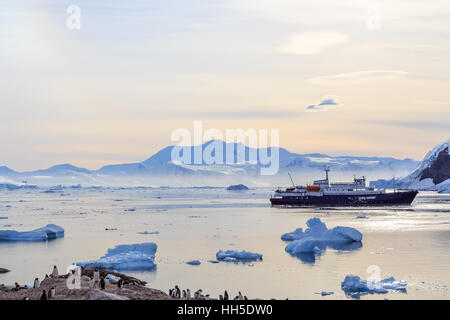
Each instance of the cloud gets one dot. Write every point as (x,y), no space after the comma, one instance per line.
(357,77)
(330,102)
(314,42)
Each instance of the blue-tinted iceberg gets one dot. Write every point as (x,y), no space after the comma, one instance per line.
(354,286)
(194,262)
(234,256)
(49,232)
(126,257)
(318,237)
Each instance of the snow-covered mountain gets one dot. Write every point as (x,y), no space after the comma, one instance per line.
(160,169)
(433,173)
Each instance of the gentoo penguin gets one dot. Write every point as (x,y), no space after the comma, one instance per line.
(120,283)
(51,293)
(36,283)
(177,292)
(184,294)
(225,295)
(170,293)
(102,283)
(207,297)
(188,293)
(240,296)
(43,295)
(55,272)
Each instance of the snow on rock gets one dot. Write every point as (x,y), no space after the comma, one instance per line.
(234,256)
(444,187)
(49,232)
(126,257)
(194,262)
(317,236)
(355,285)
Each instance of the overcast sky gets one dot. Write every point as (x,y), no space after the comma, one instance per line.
(336,77)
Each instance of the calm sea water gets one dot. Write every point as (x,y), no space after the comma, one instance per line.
(409,243)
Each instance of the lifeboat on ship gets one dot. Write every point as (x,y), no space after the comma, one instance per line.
(312,188)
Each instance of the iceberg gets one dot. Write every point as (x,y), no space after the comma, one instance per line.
(237,187)
(318,237)
(234,256)
(126,257)
(49,232)
(194,262)
(354,285)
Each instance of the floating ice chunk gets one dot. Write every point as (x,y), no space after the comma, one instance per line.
(110,229)
(3,218)
(355,285)
(147,232)
(317,237)
(237,255)
(126,257)
(325,293)
(362,217)
(291,236)
(49,232)
(193,262)
(213,261)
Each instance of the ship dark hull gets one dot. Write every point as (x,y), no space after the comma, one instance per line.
(358,200)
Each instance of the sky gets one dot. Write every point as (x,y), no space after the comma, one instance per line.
(336,77)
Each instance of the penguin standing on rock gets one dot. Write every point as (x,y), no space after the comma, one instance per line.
(240,296)
(102,283)
(188,293)
(36,283)
(52,293)
(177,292)
(55,272)
(43,295)
(184,294)
(225,295)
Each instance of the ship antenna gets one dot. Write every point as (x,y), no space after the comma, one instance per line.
(293,184)
(327,169)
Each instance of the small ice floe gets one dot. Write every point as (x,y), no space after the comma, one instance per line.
(110,229)
(354,286)
(126,257)
(194,262)
(237,187)
(49,232)
(149,232)
(213,261)
(130,210)
(325,293)
(3,218)
(234,256)
(317,237)
(362,217)
(83,213)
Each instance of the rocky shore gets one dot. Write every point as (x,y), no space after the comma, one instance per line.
(131,289)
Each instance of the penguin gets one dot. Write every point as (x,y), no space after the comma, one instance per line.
(225,295)
(120,283)
(184,294)
(207,297)
(177,292)
(102,283)
(26,298)
(188,293)
(170,293)
(43,295)
(245,298)
(220,297)
(36,283)
(55,272)
(46,276)
(240,296)
(52,293)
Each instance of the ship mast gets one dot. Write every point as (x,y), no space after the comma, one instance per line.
(327,169)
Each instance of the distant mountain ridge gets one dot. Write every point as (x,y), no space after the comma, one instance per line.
(159,169)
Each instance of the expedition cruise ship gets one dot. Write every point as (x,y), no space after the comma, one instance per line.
(322,193)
